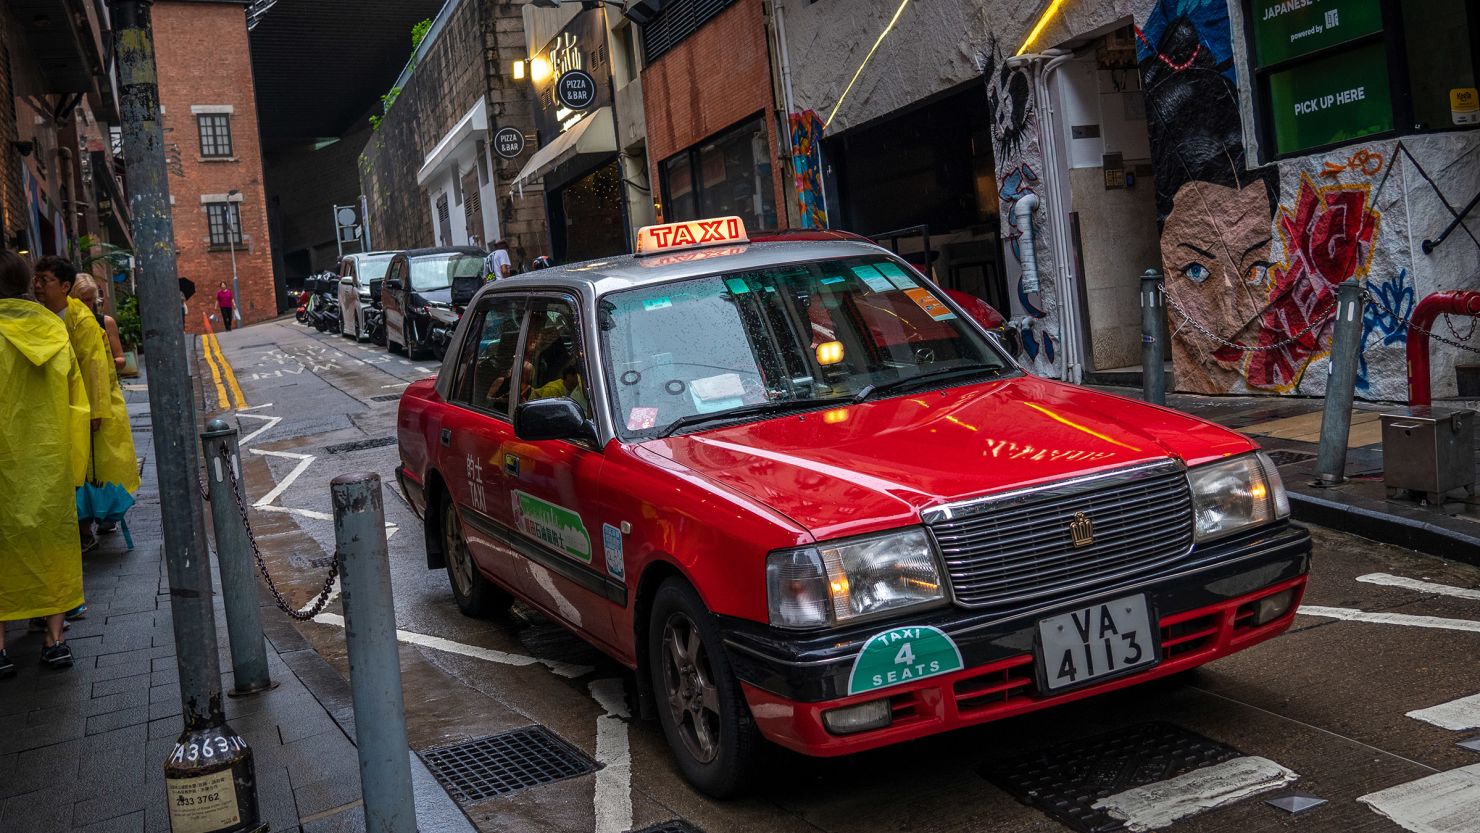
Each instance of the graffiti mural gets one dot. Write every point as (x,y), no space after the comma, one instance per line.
(1394,295)
(1018,158)
(806,164)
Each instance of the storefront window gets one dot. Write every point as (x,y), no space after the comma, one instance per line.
(1334,71)
(729,174)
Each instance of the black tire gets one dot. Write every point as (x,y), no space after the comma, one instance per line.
(706,692)
(475,595)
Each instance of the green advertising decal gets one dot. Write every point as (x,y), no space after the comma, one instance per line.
(903,655)
(556,525)
(1285,29)
(1331,99)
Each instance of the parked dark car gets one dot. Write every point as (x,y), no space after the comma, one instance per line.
(417,296)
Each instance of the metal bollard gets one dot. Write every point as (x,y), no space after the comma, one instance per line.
(234,559)
(374,665)
(1341,384)
(1153,339)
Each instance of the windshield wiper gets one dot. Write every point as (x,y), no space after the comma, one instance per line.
(869,391)
(759,409)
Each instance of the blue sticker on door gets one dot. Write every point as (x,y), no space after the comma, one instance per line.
(611,544)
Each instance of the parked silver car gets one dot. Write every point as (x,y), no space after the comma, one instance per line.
(356,271)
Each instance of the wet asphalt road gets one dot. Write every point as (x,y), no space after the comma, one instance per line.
(1328,701)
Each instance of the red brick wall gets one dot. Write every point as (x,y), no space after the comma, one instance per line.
(718,77)
(203,59)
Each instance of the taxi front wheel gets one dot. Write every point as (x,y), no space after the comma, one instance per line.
(475,595)
(704,715)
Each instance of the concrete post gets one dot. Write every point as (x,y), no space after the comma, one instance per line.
(234,561)
(374,665)
(210,777)
(1153,339)
(1341,384)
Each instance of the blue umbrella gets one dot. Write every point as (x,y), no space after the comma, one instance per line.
(105,502)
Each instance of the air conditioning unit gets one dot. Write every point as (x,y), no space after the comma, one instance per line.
(643,12)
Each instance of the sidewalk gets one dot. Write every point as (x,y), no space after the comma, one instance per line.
(1289,428)
(84,749)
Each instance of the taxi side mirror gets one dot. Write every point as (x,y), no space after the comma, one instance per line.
(552,419)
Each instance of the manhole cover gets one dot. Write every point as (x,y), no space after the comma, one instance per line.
(675,826)
(385,397)
(1064,780)
(505,763)
(360,445)
(1285,456)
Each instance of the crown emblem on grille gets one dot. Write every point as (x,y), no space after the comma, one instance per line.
(1082,530)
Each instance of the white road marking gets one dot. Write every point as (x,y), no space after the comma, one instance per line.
(253,408)
(1408,620)
(613,797)
(1446,802)
(1387,580)
(437,643)
(304,461)
(271,421)
(1164,802)
(1458,715)
(396,385)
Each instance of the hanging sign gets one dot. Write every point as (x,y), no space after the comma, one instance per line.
(576,89)
(1464,105)
(508,142)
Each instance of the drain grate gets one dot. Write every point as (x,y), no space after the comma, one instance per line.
(1064,780)
(506,763)
(386,397)
(360,445)
(675,826)
(1285,456)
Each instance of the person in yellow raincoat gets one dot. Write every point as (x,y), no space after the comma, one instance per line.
(112,442)
(44,413)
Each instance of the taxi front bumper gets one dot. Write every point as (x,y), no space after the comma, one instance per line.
(1204,610)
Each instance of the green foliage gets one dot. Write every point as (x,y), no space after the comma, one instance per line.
(88,251)
(419,33)
(130,329)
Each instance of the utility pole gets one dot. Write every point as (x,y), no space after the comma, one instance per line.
(209,778)
(233,218)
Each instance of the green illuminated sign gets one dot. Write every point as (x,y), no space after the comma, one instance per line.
(1331,99)
(1285,29)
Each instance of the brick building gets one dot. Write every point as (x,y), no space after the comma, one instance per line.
(712,136)
(211,141)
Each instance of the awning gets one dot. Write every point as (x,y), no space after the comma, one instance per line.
(473,123)
(591,135)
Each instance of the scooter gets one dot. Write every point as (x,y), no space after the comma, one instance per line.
(302,300)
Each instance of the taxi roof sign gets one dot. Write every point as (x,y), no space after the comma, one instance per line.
(690,234)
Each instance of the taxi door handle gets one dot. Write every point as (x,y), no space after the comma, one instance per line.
(511,465)
(446,437)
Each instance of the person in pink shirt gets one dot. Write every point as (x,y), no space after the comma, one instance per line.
(227,302)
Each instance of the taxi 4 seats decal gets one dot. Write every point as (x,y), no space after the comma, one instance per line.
(902,655)
(556,525)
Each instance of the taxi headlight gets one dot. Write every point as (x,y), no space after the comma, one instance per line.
(837,582)
(1236,494)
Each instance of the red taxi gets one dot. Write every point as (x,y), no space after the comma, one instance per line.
(809,499)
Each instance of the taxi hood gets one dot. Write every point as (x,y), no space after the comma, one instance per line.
(872,466)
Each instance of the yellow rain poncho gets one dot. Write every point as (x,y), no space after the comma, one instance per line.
(44,415)
(113,443)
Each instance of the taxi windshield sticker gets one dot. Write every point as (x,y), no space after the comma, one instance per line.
(650,304)
(897,276)
(737,286)
(903,655)
(869,275)
(832,280)
(553,524)
(641,419)
(611,546)
(931,304)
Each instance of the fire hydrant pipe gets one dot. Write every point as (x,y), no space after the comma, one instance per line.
(1455,302)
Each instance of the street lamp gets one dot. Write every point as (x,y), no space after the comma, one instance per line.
(231,232)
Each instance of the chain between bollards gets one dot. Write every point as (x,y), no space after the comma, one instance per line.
(1341,384)
(374,663)
(234,561)
(1153,339)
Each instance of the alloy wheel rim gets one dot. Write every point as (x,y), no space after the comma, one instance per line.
(457,553)
(689,689)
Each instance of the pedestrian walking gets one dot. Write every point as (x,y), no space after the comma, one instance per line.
(498,265)
(227,303)
(86,290)
(44,431)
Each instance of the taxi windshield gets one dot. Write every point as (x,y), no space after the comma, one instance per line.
(805,333)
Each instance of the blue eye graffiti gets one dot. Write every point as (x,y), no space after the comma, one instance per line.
(1195,272)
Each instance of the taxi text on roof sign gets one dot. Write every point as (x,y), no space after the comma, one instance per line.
(691,234)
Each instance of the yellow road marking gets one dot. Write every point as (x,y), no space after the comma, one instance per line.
(236,390)
(221,399)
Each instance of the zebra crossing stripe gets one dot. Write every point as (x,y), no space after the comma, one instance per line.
(1159,804)
(1445,802)
(1457,715)
(1389,580)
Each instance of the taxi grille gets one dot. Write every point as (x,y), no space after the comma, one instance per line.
(1017,547)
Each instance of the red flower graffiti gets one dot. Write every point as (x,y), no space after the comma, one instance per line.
(1328,238)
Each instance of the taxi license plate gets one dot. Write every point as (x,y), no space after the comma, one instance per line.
(1096,641)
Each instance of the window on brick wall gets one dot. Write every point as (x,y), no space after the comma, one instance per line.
(726,174)
(224,220)
(215,134)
